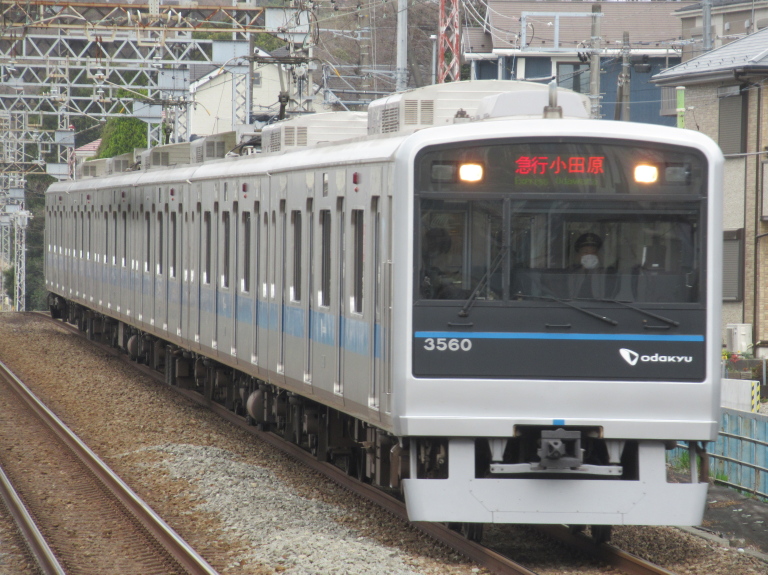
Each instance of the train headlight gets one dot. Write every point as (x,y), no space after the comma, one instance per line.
(646,174)
(470,172)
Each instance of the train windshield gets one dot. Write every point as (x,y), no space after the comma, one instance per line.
(631,233)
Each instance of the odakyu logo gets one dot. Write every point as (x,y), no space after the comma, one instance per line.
(632,357)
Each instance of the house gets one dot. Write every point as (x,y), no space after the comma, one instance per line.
(217,95)
(726,98)
(544,40)
(729,21)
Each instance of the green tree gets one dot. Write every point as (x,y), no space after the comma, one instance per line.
(36,292)
(122,135)
(9,279)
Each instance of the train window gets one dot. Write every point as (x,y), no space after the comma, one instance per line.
(160,243)
(325,184)
(638,251)
(296,285)
(106,237)
(147,243)
(125,239)
(245,281)
(114,237)
(358,233)
(226,244)
(172,269)
(207,226)
(325,256)
(87,246)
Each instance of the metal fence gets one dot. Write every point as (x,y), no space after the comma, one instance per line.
(739,458)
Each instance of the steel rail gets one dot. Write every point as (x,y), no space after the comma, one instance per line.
(44,558)
(626,562)
(174,545)
(494,562)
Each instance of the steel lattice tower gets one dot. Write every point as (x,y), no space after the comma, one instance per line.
(449,43)
(100,60)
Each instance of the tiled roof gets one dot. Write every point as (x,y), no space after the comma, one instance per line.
(476,41)
(651,25)
(748,54)
(89,147)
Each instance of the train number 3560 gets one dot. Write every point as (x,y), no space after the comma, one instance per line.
(445,344)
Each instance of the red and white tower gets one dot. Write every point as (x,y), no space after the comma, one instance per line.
(449,43)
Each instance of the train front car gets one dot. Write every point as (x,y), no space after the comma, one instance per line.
(563,312)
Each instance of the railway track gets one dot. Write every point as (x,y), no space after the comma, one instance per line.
(494,562)
(34,541)
(77,515)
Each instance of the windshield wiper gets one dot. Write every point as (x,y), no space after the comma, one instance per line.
(569,304)
(637,309)
(483,281)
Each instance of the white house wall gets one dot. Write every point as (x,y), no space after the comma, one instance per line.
(213,113)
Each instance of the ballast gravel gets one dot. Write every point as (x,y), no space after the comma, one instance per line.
(286,530)
(250,510)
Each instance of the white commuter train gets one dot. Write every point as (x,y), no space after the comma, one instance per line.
(411,304)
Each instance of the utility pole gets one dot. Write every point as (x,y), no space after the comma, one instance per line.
(594,65)
(401,70)
(706,11)
(621,111)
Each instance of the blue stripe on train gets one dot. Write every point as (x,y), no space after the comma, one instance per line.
(560,336)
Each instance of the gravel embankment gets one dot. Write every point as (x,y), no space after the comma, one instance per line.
(249,509)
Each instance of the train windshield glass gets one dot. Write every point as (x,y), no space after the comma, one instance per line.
(493,244)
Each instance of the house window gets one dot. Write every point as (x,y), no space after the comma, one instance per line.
(574,76)
(733,265)
(732,130)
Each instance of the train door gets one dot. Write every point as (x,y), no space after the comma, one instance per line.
(263,315)
(195,272)
(103,257)
(375,329)
(80,279)
(357,340)
(295,308)
(174,309)
(223,288)
(110,283)
(283,271)
(235,272)
(124,285)
(186,222)
(277,266)
(147,292)
(309,299)
(338,384)
(207,318)
(89,286)
(244,316)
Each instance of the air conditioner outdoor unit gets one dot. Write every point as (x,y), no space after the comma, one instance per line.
(738,337)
